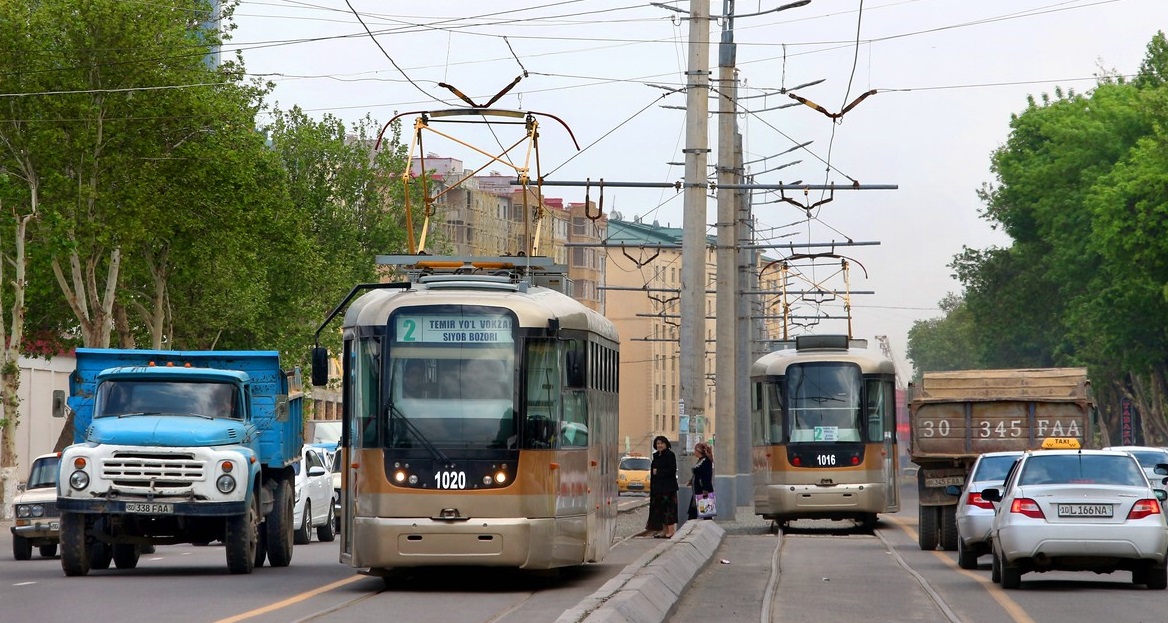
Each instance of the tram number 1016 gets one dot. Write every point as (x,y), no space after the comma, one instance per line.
(450,480)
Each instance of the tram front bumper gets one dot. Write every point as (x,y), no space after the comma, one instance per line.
(841,500)
(522,543)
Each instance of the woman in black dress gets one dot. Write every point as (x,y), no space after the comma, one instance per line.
(703,476)
(662,490)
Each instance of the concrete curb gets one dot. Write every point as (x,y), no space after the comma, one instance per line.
(648,589)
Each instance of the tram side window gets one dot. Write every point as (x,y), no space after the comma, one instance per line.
(758,420)
(875,411)
(774,411)
(543,389)
(366,372)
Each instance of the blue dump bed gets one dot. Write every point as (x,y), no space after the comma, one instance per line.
(279,438)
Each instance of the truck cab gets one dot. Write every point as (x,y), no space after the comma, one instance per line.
(179,447)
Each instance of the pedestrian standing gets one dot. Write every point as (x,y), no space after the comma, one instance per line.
(662,491)
(702,480)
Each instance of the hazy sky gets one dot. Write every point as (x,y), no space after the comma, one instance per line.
(948,76)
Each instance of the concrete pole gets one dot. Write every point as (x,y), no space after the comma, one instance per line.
(747,282)
(726,401)
(693,244)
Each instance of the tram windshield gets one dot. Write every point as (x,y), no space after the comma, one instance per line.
(823,402)
(463,397)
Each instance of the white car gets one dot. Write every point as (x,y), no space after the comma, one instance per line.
(337,490)
(37,524)
(1149,457)
(1078,510)
(314,497)
(975,515)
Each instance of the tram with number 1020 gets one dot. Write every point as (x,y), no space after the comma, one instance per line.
(480,422)
(823,430)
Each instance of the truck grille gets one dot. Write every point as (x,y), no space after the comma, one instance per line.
(152,471)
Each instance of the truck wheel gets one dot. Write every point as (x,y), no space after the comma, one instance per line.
(242,534)
(326,532)
(304,532)
(48,551)
(74,551)
(261,547)
(100,555)
(21,548)
(126,555)
(279,526)
(949,528)
(927,527)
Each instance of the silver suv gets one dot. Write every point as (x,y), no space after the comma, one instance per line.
(37,521)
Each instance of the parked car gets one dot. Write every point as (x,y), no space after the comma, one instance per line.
(37,523)
(633,473)
(1149,457)
(1078,510)
(974,514)
(314,498)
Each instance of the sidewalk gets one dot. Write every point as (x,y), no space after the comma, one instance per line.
(660,586)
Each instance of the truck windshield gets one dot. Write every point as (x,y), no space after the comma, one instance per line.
(823,402)
(137,397)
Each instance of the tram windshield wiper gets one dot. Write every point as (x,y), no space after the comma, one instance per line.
(396,414)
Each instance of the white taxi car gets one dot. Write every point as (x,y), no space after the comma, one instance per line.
(314,498)
(975,515)
(37,523)
(1078,510)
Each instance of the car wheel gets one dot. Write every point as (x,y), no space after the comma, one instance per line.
(21,548)
(966,556)
(48,551)
(995,567)
(1157,578)
(325,531)
(1011,575)
(303,535)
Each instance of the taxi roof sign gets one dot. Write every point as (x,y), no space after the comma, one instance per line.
(1060,443)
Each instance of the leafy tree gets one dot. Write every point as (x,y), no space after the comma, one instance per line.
(945,343)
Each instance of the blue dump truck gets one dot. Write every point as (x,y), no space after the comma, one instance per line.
(179,447)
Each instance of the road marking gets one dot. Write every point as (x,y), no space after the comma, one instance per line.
(291,600)
(1009,605)
(23,583)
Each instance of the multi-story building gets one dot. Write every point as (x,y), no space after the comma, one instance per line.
(487,215)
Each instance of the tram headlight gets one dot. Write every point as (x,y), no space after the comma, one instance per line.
(399,476)
(501,477)
(413,479)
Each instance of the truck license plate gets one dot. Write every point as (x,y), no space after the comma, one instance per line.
(945,481)
(149,508)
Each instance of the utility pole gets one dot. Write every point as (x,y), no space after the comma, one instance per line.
(726,465)
(693,248)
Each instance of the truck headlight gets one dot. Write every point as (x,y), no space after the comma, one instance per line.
(79,480)
(225,483)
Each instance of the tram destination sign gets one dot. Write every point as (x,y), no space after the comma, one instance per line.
(447,329)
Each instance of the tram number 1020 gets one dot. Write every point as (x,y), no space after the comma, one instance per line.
(450,480)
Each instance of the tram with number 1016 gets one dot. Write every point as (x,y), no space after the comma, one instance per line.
(480,422)
(823,431)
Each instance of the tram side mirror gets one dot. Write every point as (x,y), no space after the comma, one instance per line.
(320,366)
(60,405)
(991,494)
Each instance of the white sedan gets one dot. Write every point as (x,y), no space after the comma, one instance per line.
(1078,510)
(314,497)
(975,515)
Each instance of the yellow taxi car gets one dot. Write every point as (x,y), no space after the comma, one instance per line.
(633,474)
